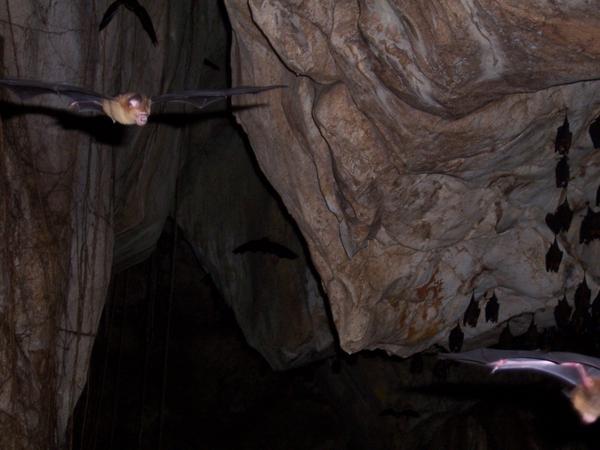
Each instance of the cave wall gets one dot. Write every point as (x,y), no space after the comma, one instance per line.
(414,147)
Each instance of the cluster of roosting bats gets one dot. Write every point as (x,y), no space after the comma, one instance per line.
(560,220)
(579,328)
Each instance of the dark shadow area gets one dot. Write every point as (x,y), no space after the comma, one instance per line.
(170,369)
(98,127)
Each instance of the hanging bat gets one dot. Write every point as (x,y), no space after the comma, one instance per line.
(590,227)
(553,257)
(560,220)
(595,132)
(580,371)
(456,339)
(135,7)
(129,108)
(265,245)
(562,313)
(472,312)
(562,172)
(582,296)
(492,308)
(562,143)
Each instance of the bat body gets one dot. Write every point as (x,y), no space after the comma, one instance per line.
(553,257)
(129,108)
(137,9)
(562,143)
(580,371)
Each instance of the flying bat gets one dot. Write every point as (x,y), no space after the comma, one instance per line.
(580,371)
(265,245)
(129,108)
(135,7)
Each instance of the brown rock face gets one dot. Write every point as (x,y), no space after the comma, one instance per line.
(414,146)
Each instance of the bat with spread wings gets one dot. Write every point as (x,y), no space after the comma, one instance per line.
(129,108)
(137,9)
(580,371)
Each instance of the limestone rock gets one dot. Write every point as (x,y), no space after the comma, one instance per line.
(414,146)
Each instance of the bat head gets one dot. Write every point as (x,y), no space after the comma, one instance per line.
(139,108)
(586,400)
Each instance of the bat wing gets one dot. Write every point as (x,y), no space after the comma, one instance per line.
(265,245)
(82,99)
(109,14)
(203,98)
(552,363)
(145,19)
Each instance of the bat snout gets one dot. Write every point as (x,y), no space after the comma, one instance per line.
(141,119)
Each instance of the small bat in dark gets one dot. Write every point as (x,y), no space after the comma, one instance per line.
(265,245)
(129,108)
(596,309)
(562,313)
(553,257)
(472,312)
(492,308)
(456,339)
(560,220)
(598,196)
(135,7)
(580,371)
(590,227)
(562,172)
(562,143)
(582,296)
(207,62)
(595,132)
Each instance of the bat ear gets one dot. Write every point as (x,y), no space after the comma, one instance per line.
(134,101)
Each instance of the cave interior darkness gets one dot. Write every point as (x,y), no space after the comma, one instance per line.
(172,369)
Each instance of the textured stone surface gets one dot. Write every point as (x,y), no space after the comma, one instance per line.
(81,195)
(414,147)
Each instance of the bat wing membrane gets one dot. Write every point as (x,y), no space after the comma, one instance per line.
(145,19)
(551,362)
(82,99)
(202,98)
(109,14)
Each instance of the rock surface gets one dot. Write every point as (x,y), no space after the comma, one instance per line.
(82,196)
(414,146)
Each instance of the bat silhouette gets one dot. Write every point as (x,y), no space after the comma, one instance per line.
(129,108)
(562,172)
(562,313)
(492,308)
(553,257)
(580,371)
(472,312)
(595,132)
(135,7)
(456,339)
(265,245)
(590,227)
(560,220)
(562,143)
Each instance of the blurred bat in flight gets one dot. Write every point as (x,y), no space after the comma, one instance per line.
(580,371)
(137,9)
(129,108)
